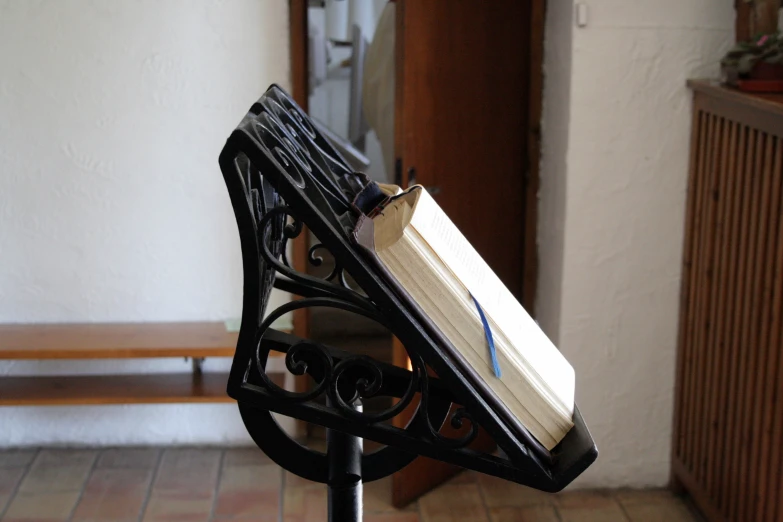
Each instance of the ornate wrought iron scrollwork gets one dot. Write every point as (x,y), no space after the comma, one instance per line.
(312,166)
(337,273)
(355,377)
(358,376)
(282,267)
(309,161)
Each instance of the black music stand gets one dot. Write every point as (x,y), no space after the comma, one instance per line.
(282,174)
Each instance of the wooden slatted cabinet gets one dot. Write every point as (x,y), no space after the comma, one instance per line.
(728,425)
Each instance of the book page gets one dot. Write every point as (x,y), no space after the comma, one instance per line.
(440,296)
(498,302)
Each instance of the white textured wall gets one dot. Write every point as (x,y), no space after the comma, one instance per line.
(112,206)
(612,211)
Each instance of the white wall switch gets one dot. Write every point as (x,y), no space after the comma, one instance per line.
(581,14)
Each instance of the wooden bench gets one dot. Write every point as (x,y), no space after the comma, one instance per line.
(196,340)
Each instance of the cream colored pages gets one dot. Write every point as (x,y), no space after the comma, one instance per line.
(429,294)
(449,304)
(496,300)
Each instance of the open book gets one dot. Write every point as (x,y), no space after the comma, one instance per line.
(439,270)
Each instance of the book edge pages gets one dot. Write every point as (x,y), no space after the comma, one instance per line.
(364,237)
(549,412)
(559,364)
(517,394)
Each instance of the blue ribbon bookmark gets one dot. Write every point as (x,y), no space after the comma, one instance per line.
(490,340)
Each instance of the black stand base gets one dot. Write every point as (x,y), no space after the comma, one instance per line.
(344,453)
(345,484)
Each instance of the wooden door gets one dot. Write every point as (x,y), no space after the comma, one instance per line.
(462,129)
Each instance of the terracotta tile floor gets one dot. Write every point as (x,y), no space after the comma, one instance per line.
(242,485)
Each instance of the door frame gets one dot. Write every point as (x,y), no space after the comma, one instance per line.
(532,179)
(298,45)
